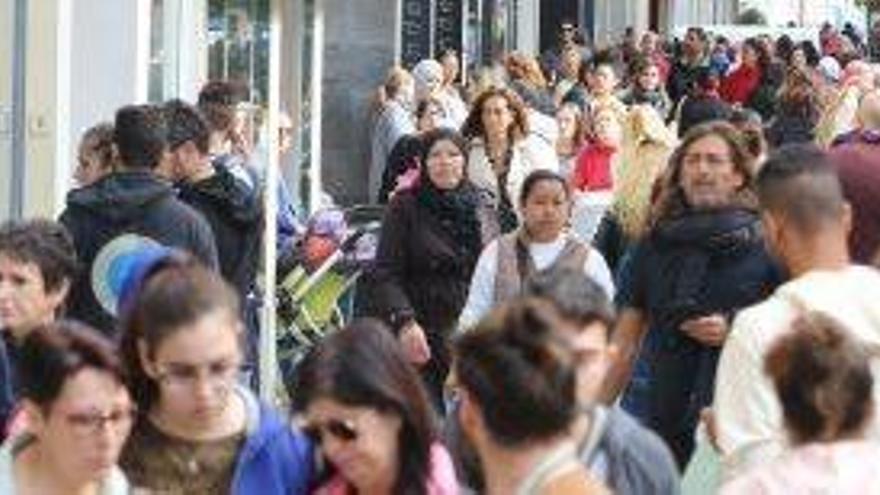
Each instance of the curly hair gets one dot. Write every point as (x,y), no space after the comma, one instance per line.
(473,126)
(672,202)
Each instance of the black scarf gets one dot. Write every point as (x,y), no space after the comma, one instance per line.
(689,242)
(457,210)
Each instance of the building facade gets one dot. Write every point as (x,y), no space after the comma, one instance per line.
(65,66)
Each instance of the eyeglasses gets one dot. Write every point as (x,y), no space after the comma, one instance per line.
(344,431)
(221,375)
(91,423)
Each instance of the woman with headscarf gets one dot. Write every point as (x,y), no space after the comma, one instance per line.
(430,79)
(431,238)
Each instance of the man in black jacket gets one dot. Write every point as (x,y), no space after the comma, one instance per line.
(133,200)
(233,209)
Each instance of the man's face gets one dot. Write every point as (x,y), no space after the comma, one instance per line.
(693,44)
(593,356)
(708,175)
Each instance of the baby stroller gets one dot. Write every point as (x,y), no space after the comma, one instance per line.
(317,282)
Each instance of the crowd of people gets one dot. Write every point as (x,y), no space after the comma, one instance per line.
(636,269)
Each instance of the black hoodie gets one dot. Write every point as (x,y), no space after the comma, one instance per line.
(235,214)
(134,202)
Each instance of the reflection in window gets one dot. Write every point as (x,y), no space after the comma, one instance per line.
(156,70)
(238,44)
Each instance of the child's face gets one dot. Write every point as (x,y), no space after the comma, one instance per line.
(649,78)
(608,131)
(604,80)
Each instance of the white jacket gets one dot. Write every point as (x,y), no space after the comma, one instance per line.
(528,155)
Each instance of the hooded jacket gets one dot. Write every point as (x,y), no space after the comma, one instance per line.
(276,458)
(235,215)
(129,202)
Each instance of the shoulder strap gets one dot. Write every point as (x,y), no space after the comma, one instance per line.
(588,446)
(508,275)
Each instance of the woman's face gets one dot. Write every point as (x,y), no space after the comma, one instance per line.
(89,167)
(360,442)
(25,301)
(546,210)
(649,78)
(82,433)
(196,368)
(608,130)
(445,165)
(566,118)
(497,116)
(431,118)
(604,80)
(749,56)
(798,58)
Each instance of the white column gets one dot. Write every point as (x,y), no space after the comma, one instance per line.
(268,341)
(528,22)
(47,107)
(7,33)
(185,46)
(109,61)
(317,86)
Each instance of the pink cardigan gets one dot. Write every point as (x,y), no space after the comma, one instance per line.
(442,480)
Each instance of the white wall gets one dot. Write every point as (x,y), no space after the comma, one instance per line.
(612,17)
(109,61)
(6,36)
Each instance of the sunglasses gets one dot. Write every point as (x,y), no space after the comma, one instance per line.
(344,431)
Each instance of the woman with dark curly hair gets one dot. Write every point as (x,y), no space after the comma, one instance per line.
(501,152)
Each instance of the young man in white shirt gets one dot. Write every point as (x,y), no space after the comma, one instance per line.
(806,223)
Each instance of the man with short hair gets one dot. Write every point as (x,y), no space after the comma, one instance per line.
(625,455)
(128,205)
(857,158)
(693,57)
(806,222)
(37,267)
(233,210)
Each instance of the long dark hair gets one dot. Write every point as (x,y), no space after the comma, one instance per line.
(671,201)
(362,365)
(171,298)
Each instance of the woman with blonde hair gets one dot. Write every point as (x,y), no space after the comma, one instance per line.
(645,150)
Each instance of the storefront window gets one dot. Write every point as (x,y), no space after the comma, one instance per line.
(238,44)
(158,59)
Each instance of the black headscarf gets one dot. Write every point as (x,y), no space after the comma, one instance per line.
(456,209)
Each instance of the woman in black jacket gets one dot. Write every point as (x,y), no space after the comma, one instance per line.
(431,238)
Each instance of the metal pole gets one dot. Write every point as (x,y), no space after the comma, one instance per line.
(19,108)
(268,355)
(317,111)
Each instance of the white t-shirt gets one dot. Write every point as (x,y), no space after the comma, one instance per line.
(748,412)
(481,296)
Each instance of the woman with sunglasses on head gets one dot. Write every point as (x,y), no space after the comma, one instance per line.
(199,431)
(78,415)
(368,410)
